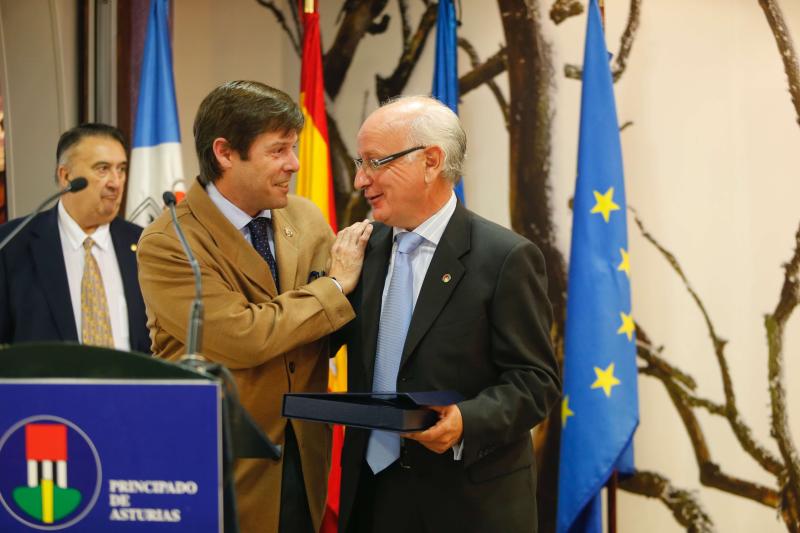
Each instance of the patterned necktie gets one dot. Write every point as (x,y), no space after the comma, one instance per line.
(95,321)
(383,448)
(259,236)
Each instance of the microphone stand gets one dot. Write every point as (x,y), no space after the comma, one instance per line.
(194,332)
(77,184)
(250,439)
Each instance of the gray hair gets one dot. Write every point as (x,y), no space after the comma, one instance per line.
(437,125)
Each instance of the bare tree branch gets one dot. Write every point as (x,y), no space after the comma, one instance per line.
(294,37)
(775,325)
(356,17)
(492,67)
(412,49)
(743,434)
(686,509)
(710,472)
(475,61)
(784,41)
(406,25)
(625,46)
(564,9)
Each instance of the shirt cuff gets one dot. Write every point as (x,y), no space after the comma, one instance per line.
(458,450)
(336,281)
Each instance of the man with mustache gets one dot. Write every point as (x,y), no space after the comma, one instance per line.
(71,274)
(269,306)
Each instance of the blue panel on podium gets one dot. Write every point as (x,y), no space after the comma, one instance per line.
(110,455)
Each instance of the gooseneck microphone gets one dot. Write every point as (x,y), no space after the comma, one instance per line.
(194,333)
(77,184)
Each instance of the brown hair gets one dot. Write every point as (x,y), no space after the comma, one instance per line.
(239,111)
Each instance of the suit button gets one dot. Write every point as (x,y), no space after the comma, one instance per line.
(291,367)
(403,379)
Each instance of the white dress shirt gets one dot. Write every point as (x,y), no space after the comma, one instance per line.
(431,231)
(72,237)
(239,218)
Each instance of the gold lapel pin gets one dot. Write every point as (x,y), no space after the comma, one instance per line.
(446,278)
(288,232)
(134,247)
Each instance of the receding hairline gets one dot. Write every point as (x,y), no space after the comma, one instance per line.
(66,155)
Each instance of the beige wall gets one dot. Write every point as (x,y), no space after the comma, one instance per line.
(212,46)
(38,50)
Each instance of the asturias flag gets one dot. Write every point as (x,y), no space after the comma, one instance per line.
(156,164)
(445,70)
(315,181)
(599,412)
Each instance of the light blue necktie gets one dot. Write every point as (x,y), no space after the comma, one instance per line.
(384,446)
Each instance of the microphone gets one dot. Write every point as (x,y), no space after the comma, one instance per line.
(194,333)
(77,184)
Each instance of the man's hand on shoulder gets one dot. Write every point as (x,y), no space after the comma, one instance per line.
(443,435)
(347,254)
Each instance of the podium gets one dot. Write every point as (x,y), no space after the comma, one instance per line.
(102,440)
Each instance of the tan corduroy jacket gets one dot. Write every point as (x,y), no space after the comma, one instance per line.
(272,344)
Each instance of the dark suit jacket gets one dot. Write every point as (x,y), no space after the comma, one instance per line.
(484,332)
(34,292)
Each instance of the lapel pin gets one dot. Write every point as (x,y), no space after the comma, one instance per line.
(134,247)
(446,278)
(288,232)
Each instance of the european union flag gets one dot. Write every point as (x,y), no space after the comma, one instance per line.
(445,69)
(599,412)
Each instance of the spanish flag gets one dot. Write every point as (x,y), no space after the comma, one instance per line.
(315,181)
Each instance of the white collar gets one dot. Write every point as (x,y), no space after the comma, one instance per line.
(75,234)
(433,228)
(231,211)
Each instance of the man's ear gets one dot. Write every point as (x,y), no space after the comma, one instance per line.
(434,162)
(62,175)
(223,152)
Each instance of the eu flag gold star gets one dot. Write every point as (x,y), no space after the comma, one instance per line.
(605,203)
(605,379)
(625,264)
(627,326)
(566,412)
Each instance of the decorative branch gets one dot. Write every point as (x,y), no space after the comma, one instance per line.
(480,74)
(385,88)
(295,38)
(564,9)
(686,509)
(625,45)
(784,41)
(475,61)
(406,25)
(743,434)
(711,474)
(356,21)
(775,325)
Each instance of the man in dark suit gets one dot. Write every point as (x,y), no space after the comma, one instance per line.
(71,274)
(447,301)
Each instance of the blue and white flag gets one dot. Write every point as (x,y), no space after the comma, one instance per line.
(600,409)
(156,164)
(445,70)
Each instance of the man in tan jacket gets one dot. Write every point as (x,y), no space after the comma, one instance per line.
(268,304)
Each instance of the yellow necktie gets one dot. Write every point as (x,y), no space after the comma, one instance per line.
(95,322)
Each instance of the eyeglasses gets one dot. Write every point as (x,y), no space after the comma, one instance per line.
(375,164)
